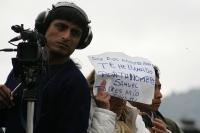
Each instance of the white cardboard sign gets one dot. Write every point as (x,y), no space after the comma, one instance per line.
(129,78)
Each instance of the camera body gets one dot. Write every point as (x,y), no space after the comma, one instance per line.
(31,49)
(29,52)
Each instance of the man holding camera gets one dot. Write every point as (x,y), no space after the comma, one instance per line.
(64,104)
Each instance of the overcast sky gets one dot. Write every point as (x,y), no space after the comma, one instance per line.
(167,32)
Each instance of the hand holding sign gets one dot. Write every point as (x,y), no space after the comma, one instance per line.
(102,98)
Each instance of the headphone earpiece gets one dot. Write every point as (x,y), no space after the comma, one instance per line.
(42,20)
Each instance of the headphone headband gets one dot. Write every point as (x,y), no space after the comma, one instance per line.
(67,4)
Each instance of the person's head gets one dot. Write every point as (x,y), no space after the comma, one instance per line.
(66,28)
(116,104)
(156,101)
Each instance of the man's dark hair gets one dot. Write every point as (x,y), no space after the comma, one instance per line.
(70,14)
(157,71)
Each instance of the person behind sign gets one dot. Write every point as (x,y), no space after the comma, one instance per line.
(65,92)
(160,123)
(110,114)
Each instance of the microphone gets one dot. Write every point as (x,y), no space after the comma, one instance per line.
(15,39)
(30,35)
(8,49)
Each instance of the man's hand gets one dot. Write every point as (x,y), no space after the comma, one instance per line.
(159,126)
(6,100)
(102,98)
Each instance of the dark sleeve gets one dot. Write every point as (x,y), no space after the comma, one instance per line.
(3,117)
(73,107)
(3,112)
(9,79)
(173,126)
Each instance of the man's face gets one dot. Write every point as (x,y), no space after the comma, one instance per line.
(116,105)
(62,38)
(156,101)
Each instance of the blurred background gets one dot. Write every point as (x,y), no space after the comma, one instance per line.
(167,32)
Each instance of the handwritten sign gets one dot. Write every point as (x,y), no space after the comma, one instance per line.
(129,78)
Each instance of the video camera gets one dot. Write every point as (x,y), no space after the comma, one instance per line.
(30,51)
(31,48)
(26,66)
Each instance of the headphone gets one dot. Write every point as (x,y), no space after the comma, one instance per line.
(42,21)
